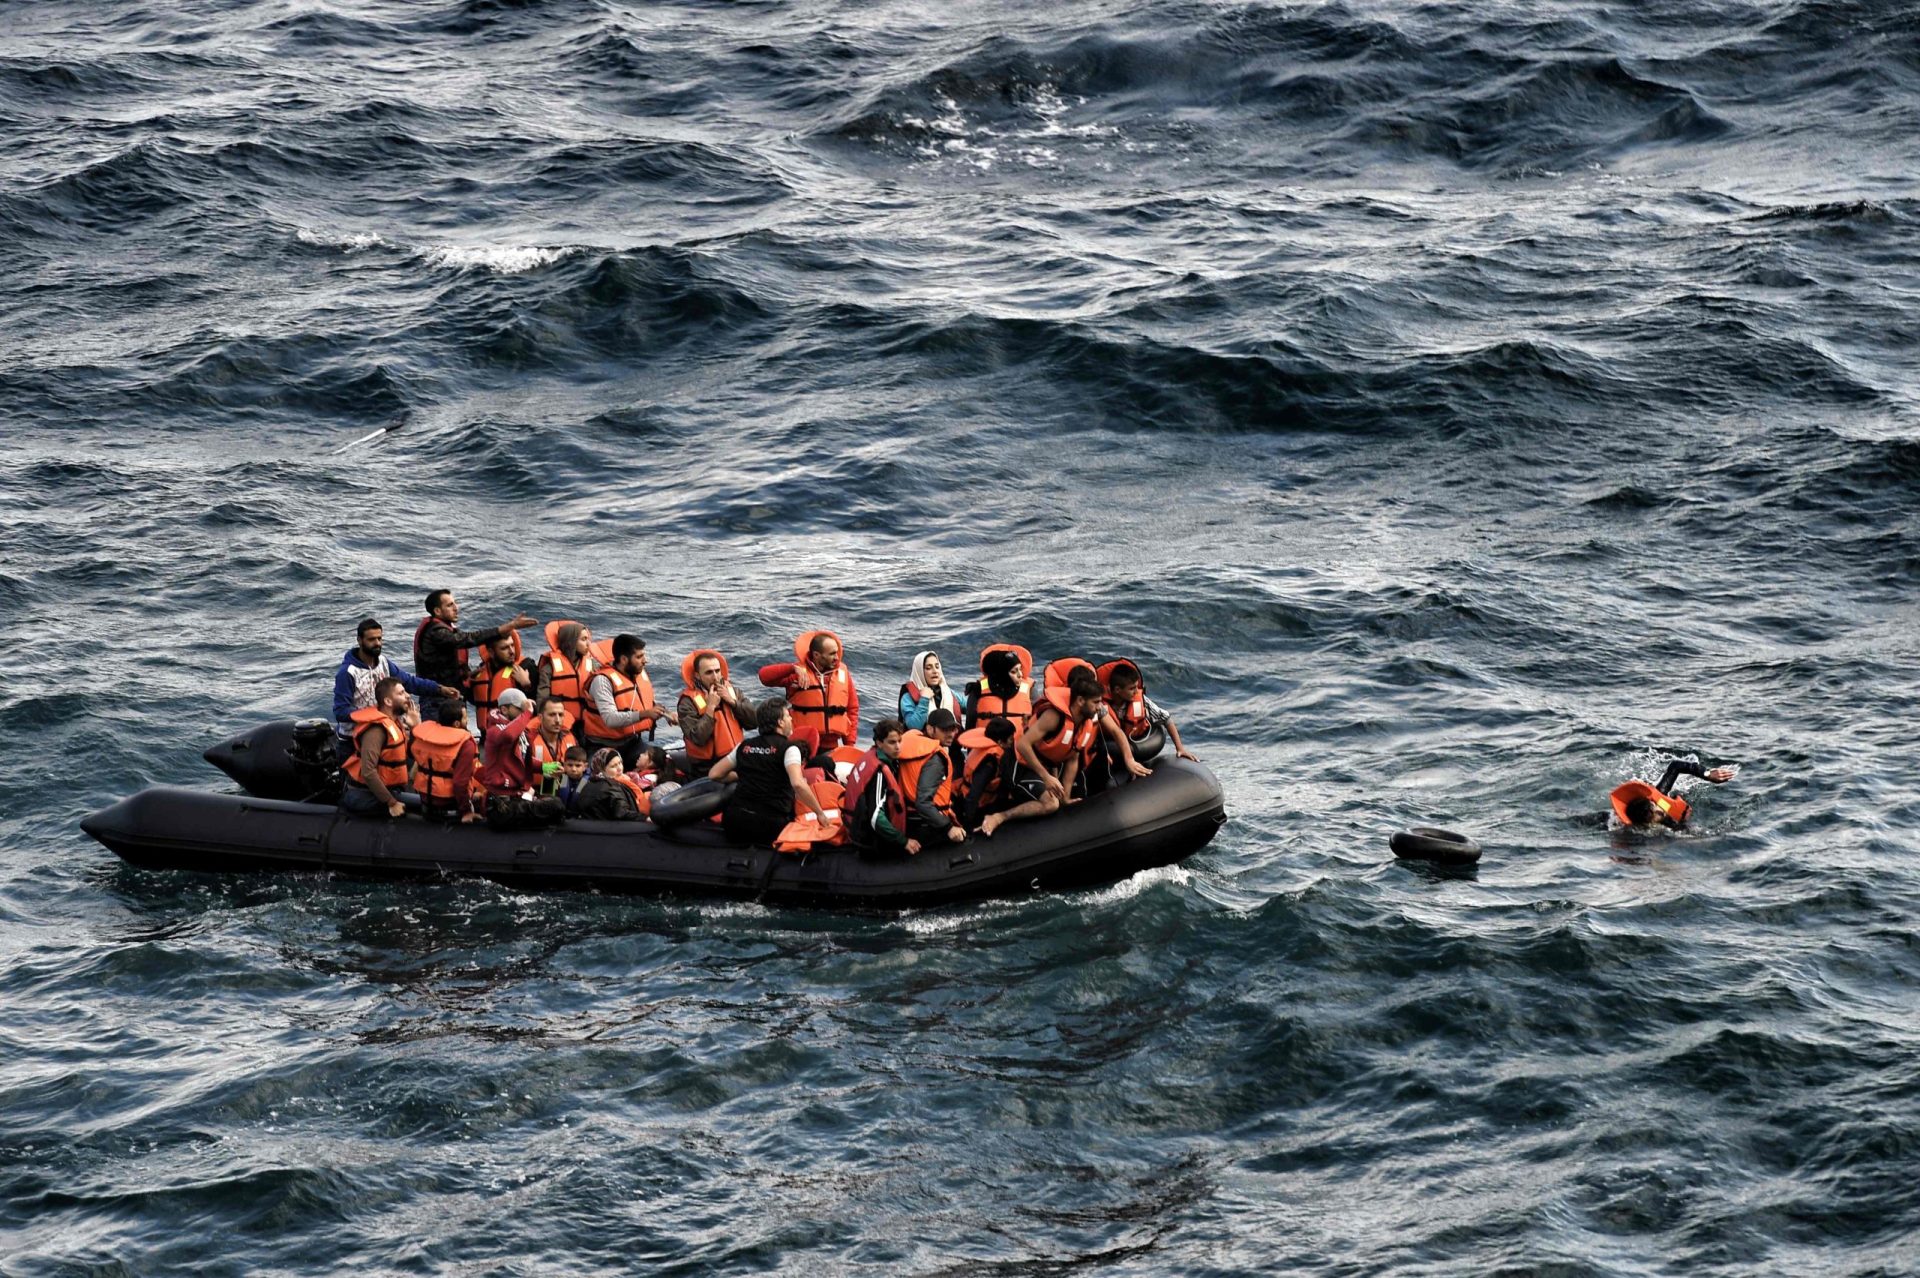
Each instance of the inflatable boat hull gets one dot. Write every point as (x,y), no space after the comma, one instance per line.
(1158,820)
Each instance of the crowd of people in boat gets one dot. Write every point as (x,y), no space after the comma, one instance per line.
(479,730)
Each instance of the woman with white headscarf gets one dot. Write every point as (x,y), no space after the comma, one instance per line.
(928,690)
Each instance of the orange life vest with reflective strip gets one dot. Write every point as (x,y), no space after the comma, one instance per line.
(1673,809)
(434,749)
(823,700)
(392,764)
(727,732)
(564,680)
(486,684)
(806,830)
(643,688)
(539,753)
(1069,738)
(987,704)
(915,749)
(626,698)
(1132,714)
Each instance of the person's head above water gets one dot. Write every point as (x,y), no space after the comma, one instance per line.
(1641,811)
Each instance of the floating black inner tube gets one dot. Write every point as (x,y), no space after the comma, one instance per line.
(694,801)
(1429,843)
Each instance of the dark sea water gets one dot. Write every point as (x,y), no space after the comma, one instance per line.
(1455,408)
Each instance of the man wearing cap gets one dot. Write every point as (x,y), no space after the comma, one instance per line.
(508,772)
(505,743)
(926,821)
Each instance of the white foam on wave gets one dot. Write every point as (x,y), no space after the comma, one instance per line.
(1128,888)
(947,919)
(356,242)
(507,259)
(954,138)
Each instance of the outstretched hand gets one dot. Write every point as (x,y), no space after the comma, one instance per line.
(520,622)
(1138,768)
(1717,775)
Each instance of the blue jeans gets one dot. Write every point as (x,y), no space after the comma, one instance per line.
(359,800)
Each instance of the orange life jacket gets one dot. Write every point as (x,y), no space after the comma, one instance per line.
(1132,714)
(626,697)
(566,682)
(916,748)
(727,732)
(434,749)
(643,685)
(1021,654)
(807,830)
(822,699)
(1673,809)
(990,757)
(538,752)
(641,789)
(1059,671)
(487,683)
(392,764)
(1069,738)
(988,704)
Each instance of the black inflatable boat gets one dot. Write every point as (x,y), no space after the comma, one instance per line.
(1157,820)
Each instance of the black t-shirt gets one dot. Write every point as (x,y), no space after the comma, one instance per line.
(764,789)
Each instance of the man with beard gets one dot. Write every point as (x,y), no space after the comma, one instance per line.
(362,669)
(440,651)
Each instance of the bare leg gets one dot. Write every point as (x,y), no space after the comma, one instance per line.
(1038,807)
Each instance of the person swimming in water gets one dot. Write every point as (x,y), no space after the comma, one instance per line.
(1644,806)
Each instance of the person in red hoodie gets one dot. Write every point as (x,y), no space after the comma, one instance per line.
(820,692)
(507,772)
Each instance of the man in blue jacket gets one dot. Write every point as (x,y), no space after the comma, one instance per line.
(365,665)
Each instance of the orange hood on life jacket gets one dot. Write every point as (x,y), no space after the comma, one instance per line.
(693,658)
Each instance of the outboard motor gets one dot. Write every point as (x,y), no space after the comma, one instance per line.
(315,756)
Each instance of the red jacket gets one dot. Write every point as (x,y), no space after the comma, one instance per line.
(507,770)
